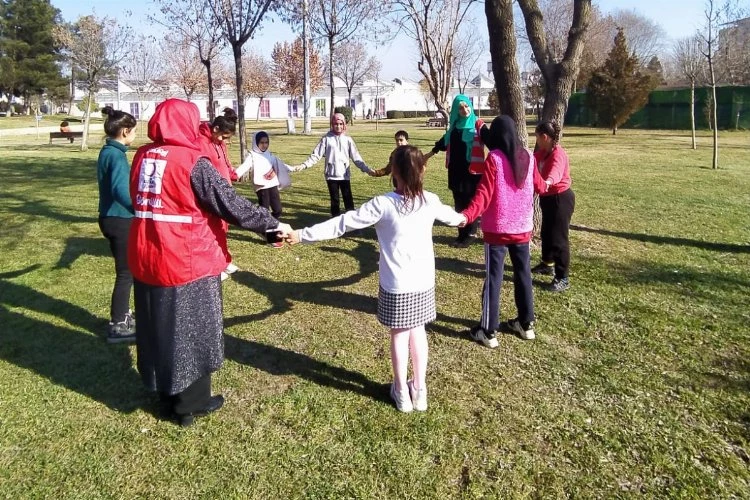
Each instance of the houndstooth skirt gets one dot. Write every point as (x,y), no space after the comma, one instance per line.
(406,310)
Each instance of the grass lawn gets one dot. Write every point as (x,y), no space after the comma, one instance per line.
(638,382)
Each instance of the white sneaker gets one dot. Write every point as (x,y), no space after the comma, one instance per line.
(224,276)
(525,331)
(418,397)
(231,268)
(402,400)
(487,339)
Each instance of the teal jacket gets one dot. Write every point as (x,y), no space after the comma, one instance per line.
(113,173)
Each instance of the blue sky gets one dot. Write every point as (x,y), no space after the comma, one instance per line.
(679,18)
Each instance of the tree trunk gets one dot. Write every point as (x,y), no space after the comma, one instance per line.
(614,130)
(504,65)
(692,112)
(210,78)
(72,90)
(237,51)
(257,114)
(330,71)
(86,119)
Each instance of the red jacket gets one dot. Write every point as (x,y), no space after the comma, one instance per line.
(173,241)
(554,167)
(217,153)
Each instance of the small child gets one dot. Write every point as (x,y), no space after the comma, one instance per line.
(337,148)
(403,221)
(402,139)
(266,168)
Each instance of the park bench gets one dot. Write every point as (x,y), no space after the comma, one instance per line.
(437,121)
(65,135)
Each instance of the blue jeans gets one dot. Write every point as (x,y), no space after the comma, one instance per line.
(494,261)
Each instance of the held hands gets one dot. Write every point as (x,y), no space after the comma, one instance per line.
(284,230)
(270,175)
(464,222)
(293,237)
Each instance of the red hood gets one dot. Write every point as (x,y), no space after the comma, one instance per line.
(205,130)
(175,123)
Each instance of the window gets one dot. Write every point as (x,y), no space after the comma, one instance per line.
(135,111)
(380,106)
(292,111)
(265,108)
(352,103)
(234,106)
(320,107)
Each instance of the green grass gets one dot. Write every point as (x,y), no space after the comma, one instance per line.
(638,382)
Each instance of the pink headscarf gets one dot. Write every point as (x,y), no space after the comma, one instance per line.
(338,116)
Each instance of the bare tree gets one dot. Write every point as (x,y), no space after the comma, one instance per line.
(193,21)
(691,65)
(258,80)
(95,47)
(142,67)
(732,57)
(645,36)
(708,36)
(434,25)
(352,65)
(467,53)
(559,75)
(239,19)
(183,65)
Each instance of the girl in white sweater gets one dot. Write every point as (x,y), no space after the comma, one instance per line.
(403,221)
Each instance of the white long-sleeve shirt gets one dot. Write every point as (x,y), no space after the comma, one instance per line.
(337,150)
(407,258)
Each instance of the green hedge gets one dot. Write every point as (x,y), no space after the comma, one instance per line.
(344,110)
(670,109)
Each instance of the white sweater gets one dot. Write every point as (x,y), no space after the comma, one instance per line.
(407,258)
(337,150)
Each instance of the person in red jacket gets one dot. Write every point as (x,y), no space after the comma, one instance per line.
(175,256)
(214,136)
(557,205)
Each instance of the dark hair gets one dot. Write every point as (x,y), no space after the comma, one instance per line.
(550,128)
(403,133)
(227,122)
(408,165)
(116,121)
(260,135)
(66,124)
(503,136)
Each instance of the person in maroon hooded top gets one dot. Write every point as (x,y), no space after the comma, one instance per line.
(175,256)
(214,136)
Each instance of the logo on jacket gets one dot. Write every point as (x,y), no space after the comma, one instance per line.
(152,173)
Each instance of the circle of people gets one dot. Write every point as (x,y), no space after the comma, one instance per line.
(166,220)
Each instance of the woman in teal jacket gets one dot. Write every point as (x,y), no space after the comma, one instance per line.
(115,216)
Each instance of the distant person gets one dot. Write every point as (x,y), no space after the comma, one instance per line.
(557,205)
(214,136)
(65,128)
(116,215)
(338,150)
(505,200)
(464,159)
(176,256)
(403,221)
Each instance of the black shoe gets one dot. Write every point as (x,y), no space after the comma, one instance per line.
(214,403)
(544,268)
(120,332)
(559,285)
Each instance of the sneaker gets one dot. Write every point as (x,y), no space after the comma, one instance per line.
(559,285)
(544,268)
(487,339)
(231,268)
(402,400)
(120,332)
(130,320)
(525,330)
(418,397)
(224,276)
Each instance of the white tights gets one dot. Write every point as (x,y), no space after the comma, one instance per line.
(404,340)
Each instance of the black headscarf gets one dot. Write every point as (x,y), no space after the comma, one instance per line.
(504,136)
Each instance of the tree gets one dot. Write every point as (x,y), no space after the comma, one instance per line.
(533,91)
(433,25)
(708,37)
(258,80)
(645,37)
(28,56)
(732,58)
(239,19)
(94,46)
(287,60)
(655,70)
(142,67)
(559,74)
(690,63)
(183,65)
(352,66)
(467,52)
(618,89)
(193,20)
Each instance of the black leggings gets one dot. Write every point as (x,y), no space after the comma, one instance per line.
(557,209)
(346,193)
(116,230)
(271,199)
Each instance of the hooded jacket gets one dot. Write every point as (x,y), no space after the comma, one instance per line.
(261,163)
(173,241)
(217,153)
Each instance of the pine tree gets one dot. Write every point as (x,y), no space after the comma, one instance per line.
(618,89)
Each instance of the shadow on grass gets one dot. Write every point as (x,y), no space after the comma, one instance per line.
(666,240)
(75,247)
(277,361)
(40,208)
(63,355)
